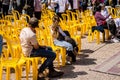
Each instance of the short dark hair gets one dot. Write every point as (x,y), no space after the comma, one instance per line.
(98,8)
(33,22)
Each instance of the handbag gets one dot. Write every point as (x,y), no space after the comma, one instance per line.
(60,37)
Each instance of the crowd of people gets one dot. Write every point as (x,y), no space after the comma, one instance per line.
(59,6)
(33,8)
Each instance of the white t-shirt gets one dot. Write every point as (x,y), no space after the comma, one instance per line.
(37,5)
(105,14)
(27,39)
(52,5)
(75,4)
(62,5)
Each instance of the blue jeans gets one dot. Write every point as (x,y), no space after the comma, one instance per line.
(65,44)
(47,53)
(1,44)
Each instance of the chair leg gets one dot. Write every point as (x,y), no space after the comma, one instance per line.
(34,67)
(63,51)
(8,73)
(98,37)
(103,36)
(17,73)
(1,72)
(27,69)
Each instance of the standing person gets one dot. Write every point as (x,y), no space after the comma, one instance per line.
(5,6)
(30,47)
(37,8)
(63,6)
(84,5)
(59,39)
(113,3)
(20,5)
(51,5)
(15,4)
(0,9)
(75,5)
(71,2)
(29,7)
(1,44)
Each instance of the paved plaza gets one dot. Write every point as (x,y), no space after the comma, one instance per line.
(81,69)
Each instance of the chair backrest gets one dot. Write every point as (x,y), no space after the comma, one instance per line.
(16,14)
(10,18)
(13,49)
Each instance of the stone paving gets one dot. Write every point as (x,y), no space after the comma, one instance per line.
(81,69)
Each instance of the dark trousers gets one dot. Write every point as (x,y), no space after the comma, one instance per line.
(48,54)
(5,9)
(71,54)
(101,29)
(60,15)
(38,15)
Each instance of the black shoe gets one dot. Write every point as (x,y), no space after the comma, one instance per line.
(40,78)
(54,73)
(68,63)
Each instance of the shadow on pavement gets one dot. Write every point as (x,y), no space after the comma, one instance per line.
(69,73)
(85,61)
(87,51)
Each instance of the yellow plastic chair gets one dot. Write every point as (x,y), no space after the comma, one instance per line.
(16,14)
(25,17)
(78,40)
(4,22)
(10,18)
(10,62)
(96,35)
(60,51)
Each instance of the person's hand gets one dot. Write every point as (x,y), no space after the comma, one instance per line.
(43,46)
(67,38)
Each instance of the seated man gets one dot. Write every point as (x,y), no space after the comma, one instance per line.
(30,47)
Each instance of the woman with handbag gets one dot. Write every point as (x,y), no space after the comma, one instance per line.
(59,38)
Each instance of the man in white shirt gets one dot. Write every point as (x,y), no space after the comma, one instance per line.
(30,47)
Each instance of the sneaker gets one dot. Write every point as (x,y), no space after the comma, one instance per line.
(68,63)
(115,40)
(40,78)
(54,73)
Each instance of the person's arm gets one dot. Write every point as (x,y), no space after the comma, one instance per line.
(34,42)
(61,31)
(102,17)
